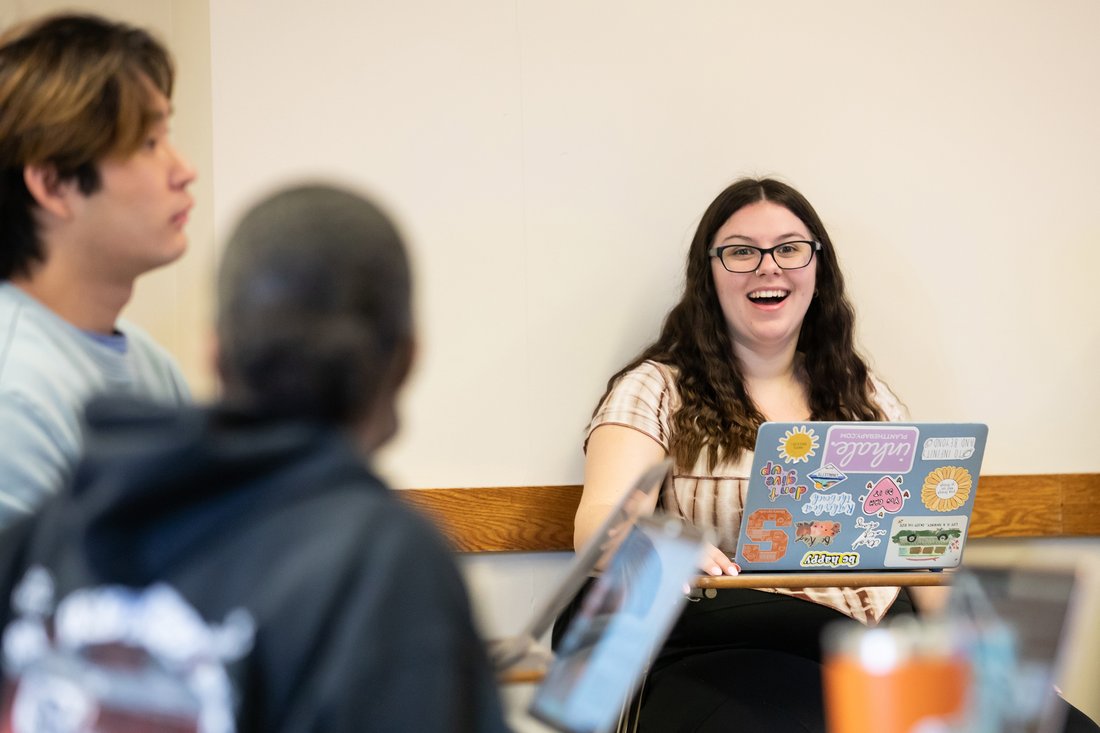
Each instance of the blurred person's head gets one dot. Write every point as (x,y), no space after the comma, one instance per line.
(314,315)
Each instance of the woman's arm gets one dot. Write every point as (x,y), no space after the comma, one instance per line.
(617,455)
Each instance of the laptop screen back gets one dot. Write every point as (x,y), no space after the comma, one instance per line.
(837,496)
(623,620)
(595,554)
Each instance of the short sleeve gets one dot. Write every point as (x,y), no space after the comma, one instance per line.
(33,463)
(641,399)
(888,402)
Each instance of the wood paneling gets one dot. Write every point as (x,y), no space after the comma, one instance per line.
(1081,504)
(1018,506)
(540,518)
(502,519)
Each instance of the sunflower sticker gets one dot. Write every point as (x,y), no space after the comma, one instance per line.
(946,488)
(798,444)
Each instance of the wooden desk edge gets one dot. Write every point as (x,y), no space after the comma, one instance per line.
(526,676)
(823,580)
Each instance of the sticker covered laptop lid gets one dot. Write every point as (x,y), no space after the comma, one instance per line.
(860,495)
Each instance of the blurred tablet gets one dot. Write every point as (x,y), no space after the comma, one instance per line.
(623,620)
(517,651)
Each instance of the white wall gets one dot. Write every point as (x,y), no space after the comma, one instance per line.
(549,162)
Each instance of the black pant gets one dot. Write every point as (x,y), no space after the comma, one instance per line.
(748,660)
(744,660)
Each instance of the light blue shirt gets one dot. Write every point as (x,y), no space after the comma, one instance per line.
(49,369)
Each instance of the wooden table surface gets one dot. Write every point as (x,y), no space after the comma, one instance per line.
(851,579)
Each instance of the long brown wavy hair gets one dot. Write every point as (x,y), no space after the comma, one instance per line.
(717,414)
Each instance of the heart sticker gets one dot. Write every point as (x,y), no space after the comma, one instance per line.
(885,496)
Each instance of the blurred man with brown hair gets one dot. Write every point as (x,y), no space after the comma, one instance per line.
(92,194)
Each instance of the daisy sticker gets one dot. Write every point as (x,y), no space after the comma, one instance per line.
(798,444)
(946,488)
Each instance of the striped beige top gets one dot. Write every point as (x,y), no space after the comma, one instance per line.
(644,399)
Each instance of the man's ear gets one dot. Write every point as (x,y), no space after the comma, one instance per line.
(379,422)
(404,360)
(48,189)
(214,359)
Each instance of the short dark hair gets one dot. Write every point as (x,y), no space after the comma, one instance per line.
(314,301)
(74,90)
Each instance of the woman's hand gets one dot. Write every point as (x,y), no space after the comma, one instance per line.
(716,562)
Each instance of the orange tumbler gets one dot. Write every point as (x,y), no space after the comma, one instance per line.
(898,679)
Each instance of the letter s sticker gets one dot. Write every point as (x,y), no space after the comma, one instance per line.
(775,537)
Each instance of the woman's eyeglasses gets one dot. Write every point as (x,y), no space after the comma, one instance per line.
(746,258)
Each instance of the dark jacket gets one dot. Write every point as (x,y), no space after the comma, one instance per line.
(361,619)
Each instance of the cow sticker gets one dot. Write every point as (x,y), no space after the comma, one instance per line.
(816,533)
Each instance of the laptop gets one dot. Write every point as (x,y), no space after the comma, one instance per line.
(838,496)
(505,653)
(622,621)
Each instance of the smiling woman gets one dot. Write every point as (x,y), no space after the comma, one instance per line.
(774,342)
(763,331)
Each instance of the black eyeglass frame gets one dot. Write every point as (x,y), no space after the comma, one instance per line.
(717,252)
